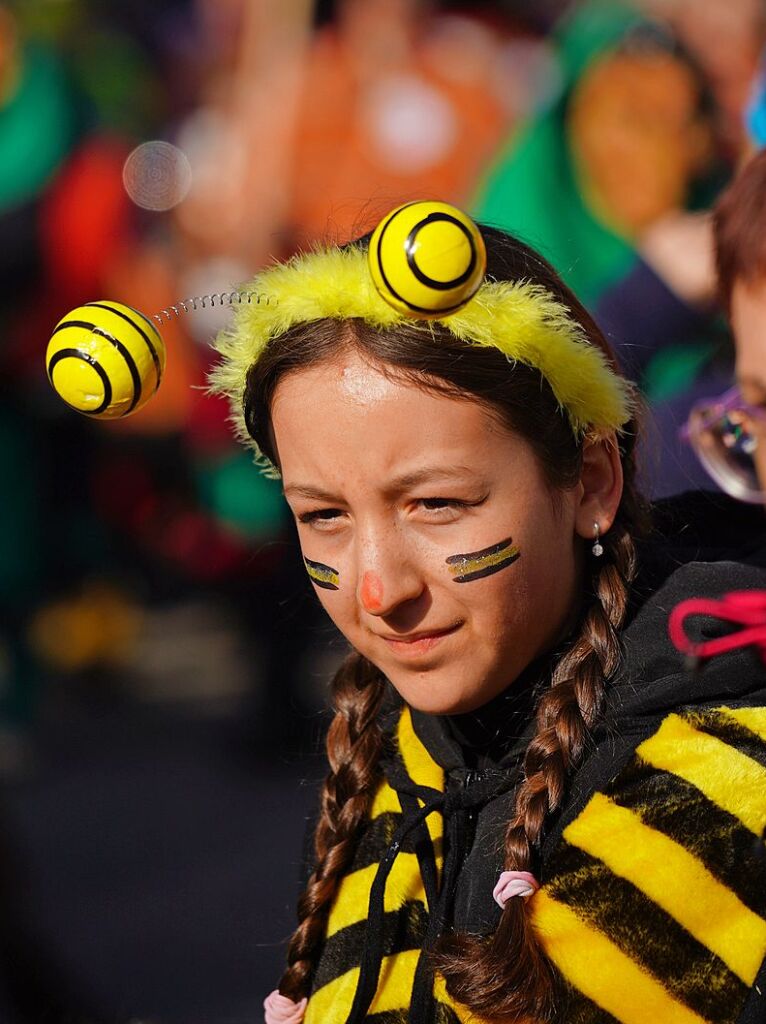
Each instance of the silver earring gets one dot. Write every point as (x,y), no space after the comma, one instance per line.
(598,547)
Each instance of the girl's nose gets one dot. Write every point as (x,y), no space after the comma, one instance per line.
(383,588)
(372,592)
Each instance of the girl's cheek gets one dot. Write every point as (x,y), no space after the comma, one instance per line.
(468,566)
(323,576)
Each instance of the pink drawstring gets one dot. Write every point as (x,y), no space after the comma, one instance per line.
(746,608)
(514,883)
(281,1010)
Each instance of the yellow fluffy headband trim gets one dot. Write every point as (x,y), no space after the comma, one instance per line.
(522,320)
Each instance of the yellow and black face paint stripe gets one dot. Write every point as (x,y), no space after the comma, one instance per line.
(477,564)
(323,575)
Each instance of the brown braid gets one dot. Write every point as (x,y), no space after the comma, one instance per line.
(354,744)
(508,976)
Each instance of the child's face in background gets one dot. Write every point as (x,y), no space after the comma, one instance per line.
(637,136)
(388,484)
(748,320)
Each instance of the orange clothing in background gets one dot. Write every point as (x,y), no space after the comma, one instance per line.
(424,127)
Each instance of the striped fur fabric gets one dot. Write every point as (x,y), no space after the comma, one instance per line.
(653,906)
(406,913)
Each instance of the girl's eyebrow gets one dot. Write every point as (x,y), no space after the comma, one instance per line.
(309,491)
(403,482)
(418,476)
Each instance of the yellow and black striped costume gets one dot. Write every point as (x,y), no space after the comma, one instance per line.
(405,906)
(654,903)
(653,906)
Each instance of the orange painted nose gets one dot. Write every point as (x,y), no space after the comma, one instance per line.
(371,592)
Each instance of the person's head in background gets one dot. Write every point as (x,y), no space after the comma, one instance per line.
(640,129)
(740,245)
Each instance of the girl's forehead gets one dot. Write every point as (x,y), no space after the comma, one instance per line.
(351,421)
(748,312)
(354,388)
(363,383)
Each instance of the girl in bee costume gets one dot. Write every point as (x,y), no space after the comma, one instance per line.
(533,811)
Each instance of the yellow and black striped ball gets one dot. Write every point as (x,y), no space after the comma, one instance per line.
(427,259)
(105,359)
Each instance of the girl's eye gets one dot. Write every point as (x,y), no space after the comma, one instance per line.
(444,508)
(436,503)
(447,510)
(320,515)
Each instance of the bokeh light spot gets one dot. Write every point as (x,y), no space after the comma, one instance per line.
(157,175)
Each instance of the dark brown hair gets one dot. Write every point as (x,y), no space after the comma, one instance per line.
(739,229)
(506,976)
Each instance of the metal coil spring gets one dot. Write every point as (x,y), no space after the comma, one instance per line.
(202,302)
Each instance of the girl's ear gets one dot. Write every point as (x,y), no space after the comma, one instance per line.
(600,487)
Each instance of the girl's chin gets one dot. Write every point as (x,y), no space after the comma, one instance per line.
(434,696)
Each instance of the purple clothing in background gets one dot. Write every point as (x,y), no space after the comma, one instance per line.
(666,464)
(641,316)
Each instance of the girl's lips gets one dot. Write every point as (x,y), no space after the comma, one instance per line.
(418,643)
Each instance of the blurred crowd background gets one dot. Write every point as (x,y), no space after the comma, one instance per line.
(162,658)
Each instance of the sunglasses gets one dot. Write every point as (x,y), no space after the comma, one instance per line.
(725,433)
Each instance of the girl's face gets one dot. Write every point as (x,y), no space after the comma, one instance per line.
(432,538)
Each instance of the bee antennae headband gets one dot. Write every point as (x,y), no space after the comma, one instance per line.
(425,260)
